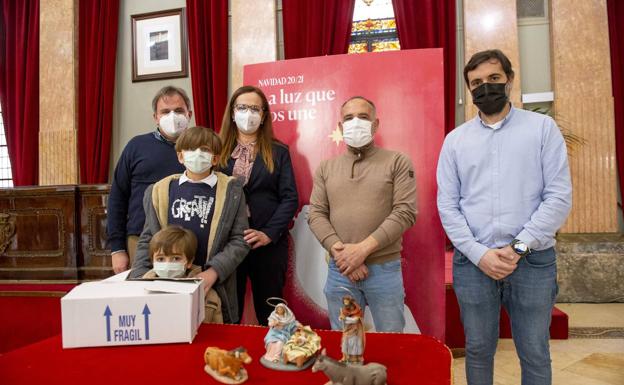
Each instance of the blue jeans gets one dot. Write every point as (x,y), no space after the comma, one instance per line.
(528,294)
(382,291)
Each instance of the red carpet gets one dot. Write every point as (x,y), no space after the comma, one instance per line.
(455,331)
(29,313)
(410,359)
(24,320)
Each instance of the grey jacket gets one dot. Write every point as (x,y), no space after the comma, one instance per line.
(226,246)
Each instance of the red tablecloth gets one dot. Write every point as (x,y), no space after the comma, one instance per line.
(410,359)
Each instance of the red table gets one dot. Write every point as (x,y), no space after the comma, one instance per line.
(410,359)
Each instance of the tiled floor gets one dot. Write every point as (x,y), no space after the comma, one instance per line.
(576,361)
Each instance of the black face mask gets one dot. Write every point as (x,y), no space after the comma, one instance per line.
(490,98)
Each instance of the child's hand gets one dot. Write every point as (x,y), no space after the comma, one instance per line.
(209,277)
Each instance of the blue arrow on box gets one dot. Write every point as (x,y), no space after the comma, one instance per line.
(108,314)
(146,313)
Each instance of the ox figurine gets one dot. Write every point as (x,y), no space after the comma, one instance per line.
(227,366)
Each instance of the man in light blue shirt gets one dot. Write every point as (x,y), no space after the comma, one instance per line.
(503,191)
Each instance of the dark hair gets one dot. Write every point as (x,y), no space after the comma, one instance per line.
(174,238)
(169,91)
(229,131)
(362,98)
(195,137)
(483,56)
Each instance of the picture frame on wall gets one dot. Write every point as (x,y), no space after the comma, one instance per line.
(159,46)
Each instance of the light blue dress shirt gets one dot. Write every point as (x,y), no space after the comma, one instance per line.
(495,185)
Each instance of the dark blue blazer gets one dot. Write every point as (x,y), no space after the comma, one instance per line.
(272,197)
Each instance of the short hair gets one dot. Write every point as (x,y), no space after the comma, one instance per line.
(487,55)
(174,238)
(195,137)
(169,91)
(362,98)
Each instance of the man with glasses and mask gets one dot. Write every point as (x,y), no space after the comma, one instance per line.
(361,204)
(146,159)
(503,191)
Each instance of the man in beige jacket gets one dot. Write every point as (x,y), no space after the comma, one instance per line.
(361,204)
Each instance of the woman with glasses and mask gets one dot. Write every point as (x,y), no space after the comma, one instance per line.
(251,153)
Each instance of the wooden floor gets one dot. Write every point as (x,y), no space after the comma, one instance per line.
(590,360)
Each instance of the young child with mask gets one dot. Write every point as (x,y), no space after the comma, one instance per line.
(211,205)
(172,251)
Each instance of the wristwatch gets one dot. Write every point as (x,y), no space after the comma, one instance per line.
(520,248)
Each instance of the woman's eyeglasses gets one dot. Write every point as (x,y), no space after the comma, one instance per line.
(245,107)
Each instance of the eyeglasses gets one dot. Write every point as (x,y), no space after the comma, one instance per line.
(245,107)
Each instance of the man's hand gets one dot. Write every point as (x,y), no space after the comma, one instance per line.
(509,255)
(336,249)
(359,274)
(120,261)
(495,265)
(354,255)
(209,277)
(256,238)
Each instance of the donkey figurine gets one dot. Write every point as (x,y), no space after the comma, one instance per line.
(343,374)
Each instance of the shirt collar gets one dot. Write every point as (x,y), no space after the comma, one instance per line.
(362,152)
(160,137)
(210,180)
(500,124)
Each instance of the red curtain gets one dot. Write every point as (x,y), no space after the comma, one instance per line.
(615,11)
(97,47)
(19,86)
(316,27)
(208,49)
(431,24)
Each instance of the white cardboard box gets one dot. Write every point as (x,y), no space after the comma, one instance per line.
(117,312)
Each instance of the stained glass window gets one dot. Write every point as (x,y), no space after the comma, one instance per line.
(374,27)
(6,178)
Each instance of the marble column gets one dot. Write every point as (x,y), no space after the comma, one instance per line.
(583,105)
(490,24)
(58,80)
(253,36)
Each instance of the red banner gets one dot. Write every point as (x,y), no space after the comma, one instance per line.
(407,88)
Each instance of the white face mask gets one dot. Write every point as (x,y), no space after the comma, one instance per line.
(357,132)
(169,269)
(197,161)
(248,121)
(173,124)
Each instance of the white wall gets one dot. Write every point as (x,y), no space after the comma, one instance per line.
(132,110)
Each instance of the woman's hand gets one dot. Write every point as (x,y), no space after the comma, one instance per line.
(256,238)
(209,277)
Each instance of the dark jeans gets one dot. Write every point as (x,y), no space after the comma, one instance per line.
(266,269)
(528,295)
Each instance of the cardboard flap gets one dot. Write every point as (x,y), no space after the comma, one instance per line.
(117,277)
(178,287)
